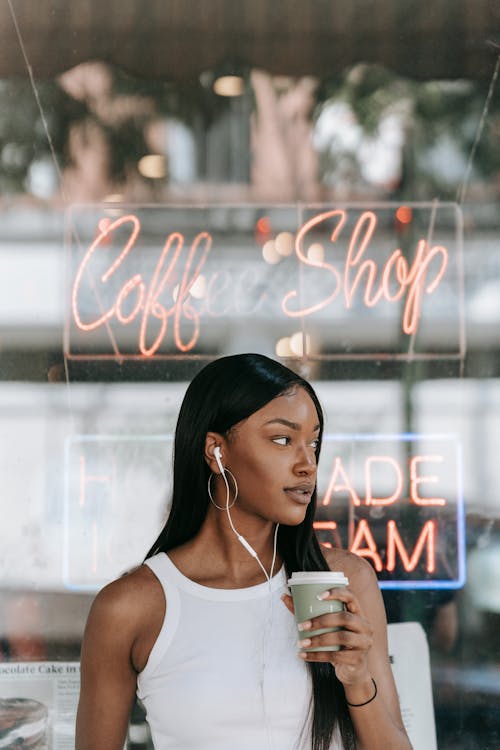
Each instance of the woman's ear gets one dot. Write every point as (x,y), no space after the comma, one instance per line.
(212,441)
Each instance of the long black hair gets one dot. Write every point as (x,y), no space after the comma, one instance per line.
(225,392)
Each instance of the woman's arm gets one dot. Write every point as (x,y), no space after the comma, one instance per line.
(378,724)
(363,660)
(119,625)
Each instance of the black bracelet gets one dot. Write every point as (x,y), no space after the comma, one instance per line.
(357,705)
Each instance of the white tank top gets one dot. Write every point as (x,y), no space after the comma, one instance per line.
(223,673)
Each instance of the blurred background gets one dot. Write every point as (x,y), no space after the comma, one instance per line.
(245,118)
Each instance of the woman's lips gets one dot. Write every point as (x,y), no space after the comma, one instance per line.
(301,495)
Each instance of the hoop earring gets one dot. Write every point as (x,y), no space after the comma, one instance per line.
(209,487)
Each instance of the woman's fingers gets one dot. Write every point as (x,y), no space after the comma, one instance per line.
(360,640)
(344,595)
(342,619)
(354,636)
(288,602)
(351,617)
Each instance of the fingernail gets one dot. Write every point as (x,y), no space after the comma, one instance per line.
(323,595)
(304,643)
(304,625)
(302,655)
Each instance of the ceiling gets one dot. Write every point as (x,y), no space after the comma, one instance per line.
(178,39)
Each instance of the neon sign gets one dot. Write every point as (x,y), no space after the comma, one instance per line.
(148,301)
(411,279)
(364,545)
(339,481)
(135,300)
(381,507)
(106,529)
(405,512)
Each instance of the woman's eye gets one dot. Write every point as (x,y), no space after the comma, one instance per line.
(282,440)
(286,440)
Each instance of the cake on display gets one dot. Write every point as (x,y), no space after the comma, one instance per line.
(23,724)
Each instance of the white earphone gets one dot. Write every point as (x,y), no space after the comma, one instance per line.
(217,455)
(241,539)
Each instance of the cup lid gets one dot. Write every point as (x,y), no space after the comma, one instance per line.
(328,577)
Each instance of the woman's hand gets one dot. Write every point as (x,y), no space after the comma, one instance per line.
(354,639)
(362,663)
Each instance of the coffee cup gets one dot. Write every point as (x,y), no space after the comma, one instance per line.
(305,587)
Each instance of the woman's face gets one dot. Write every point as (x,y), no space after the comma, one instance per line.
(272,455)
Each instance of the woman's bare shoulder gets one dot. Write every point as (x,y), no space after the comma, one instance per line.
(125,619)
(129,599)
(359,572)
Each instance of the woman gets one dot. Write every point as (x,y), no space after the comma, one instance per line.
(199,630)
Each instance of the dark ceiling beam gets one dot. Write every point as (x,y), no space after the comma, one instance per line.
(178,39)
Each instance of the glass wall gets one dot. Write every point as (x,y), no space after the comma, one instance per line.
(343,219)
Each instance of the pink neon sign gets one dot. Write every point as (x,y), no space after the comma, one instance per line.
(363,542)
(339,481)
(115,293)
(148,302)
(379,489)
(405,508)
(413,280)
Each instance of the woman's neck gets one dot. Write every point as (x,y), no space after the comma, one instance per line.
(215,556)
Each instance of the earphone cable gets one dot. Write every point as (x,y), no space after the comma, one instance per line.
(267,575)
(267,629)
